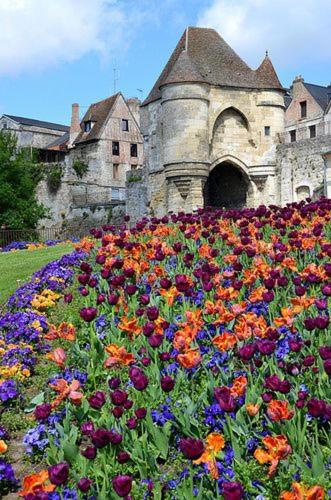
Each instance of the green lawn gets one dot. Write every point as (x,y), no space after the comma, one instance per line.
(16,268)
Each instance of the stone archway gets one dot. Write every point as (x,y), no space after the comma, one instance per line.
(226,186)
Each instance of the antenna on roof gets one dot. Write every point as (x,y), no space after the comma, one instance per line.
(186,39)
(266,53)
(115,80)
(141,93)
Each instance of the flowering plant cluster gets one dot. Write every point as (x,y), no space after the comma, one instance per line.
(23,338)
(201,365)
(14,246)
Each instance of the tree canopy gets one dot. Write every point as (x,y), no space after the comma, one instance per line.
(19,176)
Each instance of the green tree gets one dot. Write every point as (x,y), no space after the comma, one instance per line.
(19,176)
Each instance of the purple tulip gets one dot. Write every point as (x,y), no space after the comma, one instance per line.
(100,438)
(90,452)
(152,313)
(42,411)
(140,413)
(225,400)
(97,400)
(325,352)
(191,448)
(58,474)
(167,383)
(246,352)
(118,397)
(84,484)
(122,485)
(232,490)
(88,314)
(87,428)
(327,366)
(123,457)
(131,423)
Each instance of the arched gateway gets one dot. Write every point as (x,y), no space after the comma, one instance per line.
(226,186)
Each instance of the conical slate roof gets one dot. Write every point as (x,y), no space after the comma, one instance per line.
(202,55)
(267,75)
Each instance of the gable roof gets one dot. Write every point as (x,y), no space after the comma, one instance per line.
(38,123)
(97,113)
(322,95)
(202,55)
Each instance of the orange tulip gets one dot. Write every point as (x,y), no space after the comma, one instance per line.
(130,326)
(191,358)
(66,390)
(67,331)
(118,356)
(214,444)
(225,341)
(238,386)
(278,410)
(301,492)
(277,449)
(184,337)
(58,356)
(3,446)
(252,410)
(36,483)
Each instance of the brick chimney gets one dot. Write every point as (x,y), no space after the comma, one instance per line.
(134,106)
(75,124)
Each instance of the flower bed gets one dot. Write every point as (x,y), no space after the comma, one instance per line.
(22,340)
(201,365)
(29,245)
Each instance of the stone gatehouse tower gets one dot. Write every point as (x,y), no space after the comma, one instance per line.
(211,125)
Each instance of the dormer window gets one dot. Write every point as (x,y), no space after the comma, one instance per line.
(87,126)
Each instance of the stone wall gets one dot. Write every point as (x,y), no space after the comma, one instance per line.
(300,169)
(136,194)
(194,128)
(28,136)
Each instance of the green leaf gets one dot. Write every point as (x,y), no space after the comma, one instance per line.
(70,452)
(37,400)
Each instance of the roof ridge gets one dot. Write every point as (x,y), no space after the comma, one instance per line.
(316,85)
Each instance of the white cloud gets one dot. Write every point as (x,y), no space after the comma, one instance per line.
(297,30)
(36,34)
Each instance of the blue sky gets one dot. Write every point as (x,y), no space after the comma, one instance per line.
(54,53)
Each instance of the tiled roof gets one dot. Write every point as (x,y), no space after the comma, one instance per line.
(202,55)
(96,113)
(60,142)
(319,93)
(38,123)
(287,100)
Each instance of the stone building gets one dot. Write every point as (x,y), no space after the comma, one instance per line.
(302,167)
(107,141)
(211,126)
(35,134)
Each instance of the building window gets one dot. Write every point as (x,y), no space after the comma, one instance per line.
(134,150)
(303,192)
(293,136)
(267,131)
(312,131)
(116,171)
(116,148)
(4,126)
(87,126)
(134,167)
(303,109)
(125,125)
